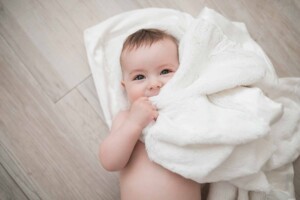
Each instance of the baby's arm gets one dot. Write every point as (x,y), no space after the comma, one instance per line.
(116,149)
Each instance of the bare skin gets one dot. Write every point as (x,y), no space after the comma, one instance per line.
(145,71)
(143,179)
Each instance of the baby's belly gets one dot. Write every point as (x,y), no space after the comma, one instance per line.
(143,179)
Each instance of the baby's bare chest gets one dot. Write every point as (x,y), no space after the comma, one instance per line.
(143,177)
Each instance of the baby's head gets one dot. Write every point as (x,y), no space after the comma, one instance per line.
(148,60)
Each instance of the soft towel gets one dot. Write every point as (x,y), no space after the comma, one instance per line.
(224,118)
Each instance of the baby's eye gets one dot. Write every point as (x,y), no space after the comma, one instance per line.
(165,71)
(139,77)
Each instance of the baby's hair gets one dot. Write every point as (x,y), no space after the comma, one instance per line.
(146,37)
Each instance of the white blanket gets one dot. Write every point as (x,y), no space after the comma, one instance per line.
(224,118)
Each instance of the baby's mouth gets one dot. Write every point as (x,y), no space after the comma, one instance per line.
(152,93)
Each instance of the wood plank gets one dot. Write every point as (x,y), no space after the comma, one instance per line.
(21,181)
(192,6)
(297,178)
(8,187)
(85,123)
(49,80)
(88,130)
(46,40)
(91,12)
(88,91)
(39,136)
(290,10)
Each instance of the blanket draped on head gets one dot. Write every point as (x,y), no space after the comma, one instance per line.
(224,118)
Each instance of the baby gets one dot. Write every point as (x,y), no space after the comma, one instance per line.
(149,59)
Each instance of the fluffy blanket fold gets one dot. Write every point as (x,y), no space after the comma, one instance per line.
(224,118)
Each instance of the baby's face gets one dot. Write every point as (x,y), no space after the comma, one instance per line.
(148,68)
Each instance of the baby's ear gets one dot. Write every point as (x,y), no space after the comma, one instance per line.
(123,84)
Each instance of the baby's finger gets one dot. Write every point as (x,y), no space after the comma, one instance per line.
(155,115)
(154,107)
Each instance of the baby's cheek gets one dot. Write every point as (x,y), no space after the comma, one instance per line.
(135,93)
(167,78)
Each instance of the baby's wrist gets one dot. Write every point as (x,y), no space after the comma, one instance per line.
(135,124)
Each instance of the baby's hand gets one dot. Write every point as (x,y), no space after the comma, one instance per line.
(142,112)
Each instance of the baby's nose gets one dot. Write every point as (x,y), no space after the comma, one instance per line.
(155,84)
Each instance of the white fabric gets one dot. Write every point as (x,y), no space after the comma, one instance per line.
(224,117)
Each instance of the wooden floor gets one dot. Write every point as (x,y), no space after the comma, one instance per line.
(50,124)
